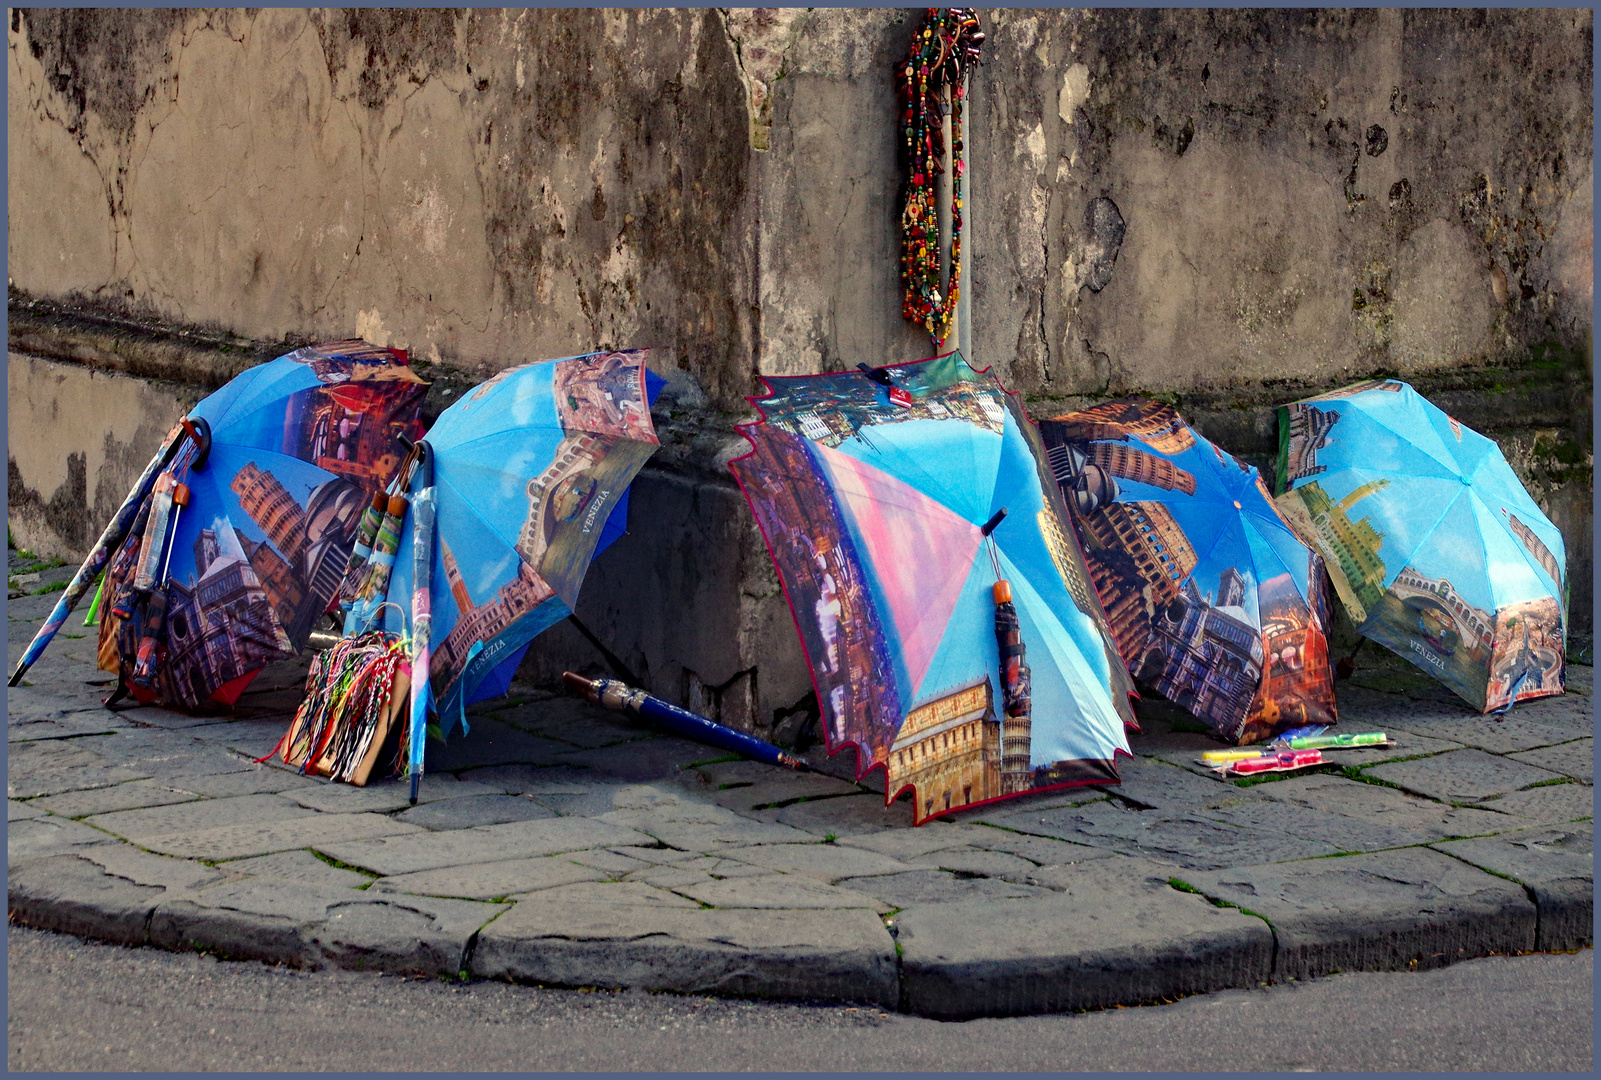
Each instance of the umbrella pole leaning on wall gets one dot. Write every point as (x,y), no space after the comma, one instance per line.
(116,531)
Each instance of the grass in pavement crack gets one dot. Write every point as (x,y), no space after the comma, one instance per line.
(1554,782)
(337,865)
(1186,887)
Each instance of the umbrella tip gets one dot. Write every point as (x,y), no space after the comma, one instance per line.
(577,683)
(993,523)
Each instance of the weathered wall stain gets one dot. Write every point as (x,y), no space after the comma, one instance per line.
(1302,198)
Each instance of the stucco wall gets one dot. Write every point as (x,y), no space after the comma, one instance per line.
(1226,208)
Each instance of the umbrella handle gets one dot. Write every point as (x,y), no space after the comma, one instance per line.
(200,431)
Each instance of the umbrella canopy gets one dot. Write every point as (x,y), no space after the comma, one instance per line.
(529,471)
(1213,599)
(1433,544)
(873,501)
(297,447)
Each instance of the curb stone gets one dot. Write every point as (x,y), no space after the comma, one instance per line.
(1116,935)
(1406,909)
(833,955)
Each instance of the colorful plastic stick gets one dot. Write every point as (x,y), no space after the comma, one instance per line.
(620,697)
(1280,761)
(1334,742)
(115,531)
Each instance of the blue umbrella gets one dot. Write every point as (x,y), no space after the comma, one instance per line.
(278,466)
(530,479)
(1433,544)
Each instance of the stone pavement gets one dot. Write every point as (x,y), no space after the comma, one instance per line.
(558,844)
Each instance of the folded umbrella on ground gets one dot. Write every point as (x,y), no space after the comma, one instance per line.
(880,495)
(1434,546)
(1213,599)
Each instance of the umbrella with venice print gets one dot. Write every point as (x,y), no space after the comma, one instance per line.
(1436,549)
(295,448)
(875,493)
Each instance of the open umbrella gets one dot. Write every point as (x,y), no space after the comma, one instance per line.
(294,449)
(1213,599)
(530,477)
(874,492)
(1434,546)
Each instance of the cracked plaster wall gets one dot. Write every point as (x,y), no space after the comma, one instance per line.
(1305,197)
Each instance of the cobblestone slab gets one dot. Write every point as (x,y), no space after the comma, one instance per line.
(490,880)
(1159,785)
(257,780)
(313,926)
(1575,759)
(655,758)
(533,780)
(475,810)
(1389,911)
(1040,850)
(301,866)
(1461,775)
(1185,839)
(50,768)
(1374,805)
(1556,865)
(21,811)
(1516,732)
(780,892)
(608,894)
(833,955)
(421,850)
(69,726)
(826,862)
(917,887)
(695,837)
(1116,935)
(909,844)
(848,815)
(138,825)
(978,862)
(387,794)
(134,795)
(36,837)
(264,838)
(1552,804)
(253,738)
(493,743)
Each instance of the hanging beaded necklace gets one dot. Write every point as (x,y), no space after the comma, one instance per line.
(942,54)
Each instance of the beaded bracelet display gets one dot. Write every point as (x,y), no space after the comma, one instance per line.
(942,54)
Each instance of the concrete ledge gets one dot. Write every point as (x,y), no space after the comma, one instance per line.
(72,895)
(1115,936)
(1408,909)
(834,955)
(1555,866)
(316,926)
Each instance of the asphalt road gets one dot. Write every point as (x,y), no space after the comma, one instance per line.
(86,1006)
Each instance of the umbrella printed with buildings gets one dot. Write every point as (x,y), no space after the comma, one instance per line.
(872,511)
(1432,543)
(1212,599)
(299,445)
(529,469)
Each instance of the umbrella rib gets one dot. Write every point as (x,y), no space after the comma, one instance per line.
(1517,543)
